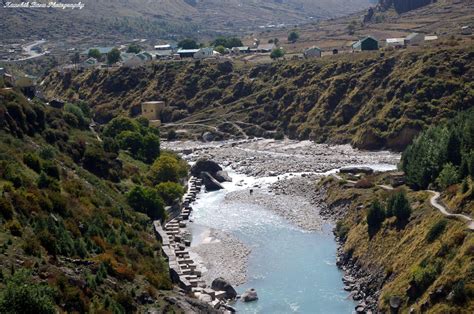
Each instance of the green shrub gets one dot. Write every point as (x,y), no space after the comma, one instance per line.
(15,228)
(164,169)
(342,230)
(423,277)
(147,200)
(375,217)
(32,161)
(399,206)
(448,176)
(459,292)
(6,208)
(170,191)
(22,295)
(436,230)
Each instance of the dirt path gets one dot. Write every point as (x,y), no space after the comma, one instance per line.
(433,202)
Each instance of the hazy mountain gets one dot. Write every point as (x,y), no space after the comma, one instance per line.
(156,18)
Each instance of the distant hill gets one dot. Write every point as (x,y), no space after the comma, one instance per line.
(364,99)
(402,6)
(166,18)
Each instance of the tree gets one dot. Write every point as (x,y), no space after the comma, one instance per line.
(150,148)
(188,44)
(131,141)
(22,295)
(133,48)
(220,49)
(118,125)
(147,201)
(94,53)
(375,217)
(293,36)
(277,53)
(399,206)
(113,56)
(227,42)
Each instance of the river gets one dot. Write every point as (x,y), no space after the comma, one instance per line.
(292,268)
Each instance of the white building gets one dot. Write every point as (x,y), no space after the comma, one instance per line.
(431,38)
(414,39)
(395,42)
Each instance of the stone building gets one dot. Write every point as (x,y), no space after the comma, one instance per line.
(152,109)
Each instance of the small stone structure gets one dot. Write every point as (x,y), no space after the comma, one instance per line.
(152,109)
(175,240)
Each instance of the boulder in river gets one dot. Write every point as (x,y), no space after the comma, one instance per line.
(210,183)
(220,284)
(355,170)
(205,165)
(222,176)
(249,295)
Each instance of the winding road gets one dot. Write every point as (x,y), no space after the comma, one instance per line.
(434,202)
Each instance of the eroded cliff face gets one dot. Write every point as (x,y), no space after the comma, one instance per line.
(402,6)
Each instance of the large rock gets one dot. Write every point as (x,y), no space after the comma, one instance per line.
(249,295)
(205,165)
(222,285)
(222,176)
(210,183)
(355,170)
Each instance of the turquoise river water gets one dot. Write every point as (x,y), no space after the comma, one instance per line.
(292,270)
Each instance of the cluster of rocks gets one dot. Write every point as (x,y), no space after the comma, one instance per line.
(184,271)
(251,157)
(364,287)
(211,174)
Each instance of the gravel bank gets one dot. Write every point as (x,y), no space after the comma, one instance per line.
(221,255)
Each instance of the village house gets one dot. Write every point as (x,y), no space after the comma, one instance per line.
(239,50)
(414,39)
(204,53)
(89,63)
(313,52)
(131,60)
(152,109)
(366,44)
(395,42)
(265,48)
(187,53)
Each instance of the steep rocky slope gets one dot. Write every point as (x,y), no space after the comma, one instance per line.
(69,240)
(424,264)
(367,100)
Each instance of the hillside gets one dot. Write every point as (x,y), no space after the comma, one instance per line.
(69,238)
(166,18)
(364,99)
(407,247)
(424,262)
